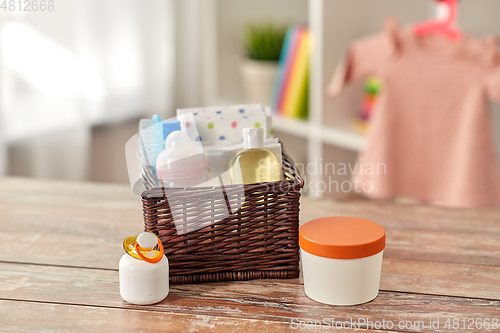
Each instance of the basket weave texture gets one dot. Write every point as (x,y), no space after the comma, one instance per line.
(257,241)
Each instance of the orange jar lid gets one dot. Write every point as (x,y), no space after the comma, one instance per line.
(342,237)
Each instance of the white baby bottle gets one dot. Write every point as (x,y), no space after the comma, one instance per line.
(182,163)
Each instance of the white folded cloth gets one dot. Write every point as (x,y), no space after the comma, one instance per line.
(222,125)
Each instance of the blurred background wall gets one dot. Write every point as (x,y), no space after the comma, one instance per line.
(74,81)
(74,78)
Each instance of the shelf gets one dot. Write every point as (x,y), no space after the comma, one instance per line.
(339,137)
(291,126)
(342,138)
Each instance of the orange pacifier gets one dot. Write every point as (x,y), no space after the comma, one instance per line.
(146,246)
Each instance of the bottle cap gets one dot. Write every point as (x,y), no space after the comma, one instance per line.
(253,138)
(342,237)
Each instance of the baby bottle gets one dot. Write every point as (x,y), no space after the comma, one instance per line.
(181,163)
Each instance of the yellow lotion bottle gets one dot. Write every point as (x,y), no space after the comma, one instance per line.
(254,164)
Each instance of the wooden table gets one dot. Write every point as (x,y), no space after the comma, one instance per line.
(61,242)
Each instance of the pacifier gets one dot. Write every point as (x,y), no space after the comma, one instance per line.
(146,246)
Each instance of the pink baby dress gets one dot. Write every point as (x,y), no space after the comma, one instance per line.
(430,134)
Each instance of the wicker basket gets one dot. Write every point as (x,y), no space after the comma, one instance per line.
(258,241)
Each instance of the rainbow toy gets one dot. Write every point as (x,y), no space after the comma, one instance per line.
(283,66)
(291,94)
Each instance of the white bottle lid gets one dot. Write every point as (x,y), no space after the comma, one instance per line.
(253,138)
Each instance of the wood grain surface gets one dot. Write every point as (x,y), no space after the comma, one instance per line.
(61,242)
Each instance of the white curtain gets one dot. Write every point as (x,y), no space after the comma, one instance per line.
(85,63)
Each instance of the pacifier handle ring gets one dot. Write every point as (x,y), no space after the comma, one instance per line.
(153,260)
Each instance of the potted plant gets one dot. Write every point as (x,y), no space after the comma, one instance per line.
(263,42)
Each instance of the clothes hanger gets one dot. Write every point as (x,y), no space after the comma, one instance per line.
(444,27)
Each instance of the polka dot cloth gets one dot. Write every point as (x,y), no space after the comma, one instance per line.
(222,125)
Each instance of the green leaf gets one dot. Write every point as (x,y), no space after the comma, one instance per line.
(263,41)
